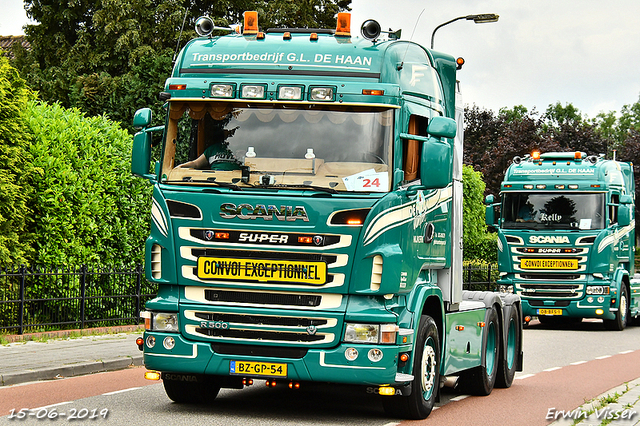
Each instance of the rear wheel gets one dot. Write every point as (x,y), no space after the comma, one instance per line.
(620,321)
(481,380)
(507,362)
(186,392)
(426,372)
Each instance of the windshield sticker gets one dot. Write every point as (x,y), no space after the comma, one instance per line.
(585,223)
(367,181)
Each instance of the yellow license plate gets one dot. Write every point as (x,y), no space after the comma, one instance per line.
(549,263)
(263,369)
(549,311)
(210,268)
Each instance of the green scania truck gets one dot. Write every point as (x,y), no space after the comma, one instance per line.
(566,237)
(307,221)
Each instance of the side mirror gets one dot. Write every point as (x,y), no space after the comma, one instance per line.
(624,214)
(436,170)
(490,211)
(142,118)
(626,199)
(141,154)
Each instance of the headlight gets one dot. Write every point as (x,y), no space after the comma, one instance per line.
(371,333)
(597,289)
(161,321)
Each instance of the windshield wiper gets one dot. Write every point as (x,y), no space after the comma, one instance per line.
(306,185)
(231,185)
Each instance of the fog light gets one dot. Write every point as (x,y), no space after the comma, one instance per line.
(375,355)
(386,390)
(152,375)
(151,341)
(600,299)
(351,354)
(599,312)
(168,343)
(590,299)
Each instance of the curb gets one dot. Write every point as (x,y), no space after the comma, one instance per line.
(12,338)
(73,370)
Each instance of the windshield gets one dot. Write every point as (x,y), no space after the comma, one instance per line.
(280,146)
(553,211)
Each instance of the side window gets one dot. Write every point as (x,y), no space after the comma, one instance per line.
(412,148)
(613,208)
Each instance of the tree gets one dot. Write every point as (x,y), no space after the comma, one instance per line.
(477,243)
(112,56)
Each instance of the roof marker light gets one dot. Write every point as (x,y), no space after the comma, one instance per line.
(528,186)
(344,24)
(250,23)
(573,186)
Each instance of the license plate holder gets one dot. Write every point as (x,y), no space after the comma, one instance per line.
(554,312)
(262,270)
(258,369)
(563,264)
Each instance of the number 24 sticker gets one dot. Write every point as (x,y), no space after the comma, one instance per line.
(368,183)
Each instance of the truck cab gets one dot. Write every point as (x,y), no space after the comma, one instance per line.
(566,233)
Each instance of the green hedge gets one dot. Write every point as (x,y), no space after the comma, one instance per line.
(16,170)
(89,208)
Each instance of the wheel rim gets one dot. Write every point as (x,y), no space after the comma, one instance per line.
(623,307)
(429,363)
(491,349)
(511,344)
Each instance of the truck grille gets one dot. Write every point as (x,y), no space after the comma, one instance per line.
(262,298)
(547,290)
(261,335)
(261,319)
(260,329)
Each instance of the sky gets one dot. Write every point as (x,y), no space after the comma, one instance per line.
(583,52)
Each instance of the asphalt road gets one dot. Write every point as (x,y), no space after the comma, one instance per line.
(563,368)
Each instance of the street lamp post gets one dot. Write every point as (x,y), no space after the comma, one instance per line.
(478,19)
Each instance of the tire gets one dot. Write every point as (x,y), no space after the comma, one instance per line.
(191,392)
(619,323)
(481,380)
(509,358)
(426,372)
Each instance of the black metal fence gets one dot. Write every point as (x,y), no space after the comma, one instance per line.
(41,298)
(46,298)
(480,277)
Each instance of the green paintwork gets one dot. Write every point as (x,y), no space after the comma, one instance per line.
(607,254)
(415,81)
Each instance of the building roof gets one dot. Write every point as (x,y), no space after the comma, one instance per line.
(7,42)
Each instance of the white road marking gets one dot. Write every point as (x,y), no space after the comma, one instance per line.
(121,391)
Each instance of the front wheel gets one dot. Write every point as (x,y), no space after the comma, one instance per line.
(619,323)
(426,372)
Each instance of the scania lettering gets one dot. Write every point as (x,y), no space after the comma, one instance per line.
(307,222)
(566,237)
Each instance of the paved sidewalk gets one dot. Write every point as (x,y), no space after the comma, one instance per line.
(30,361)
